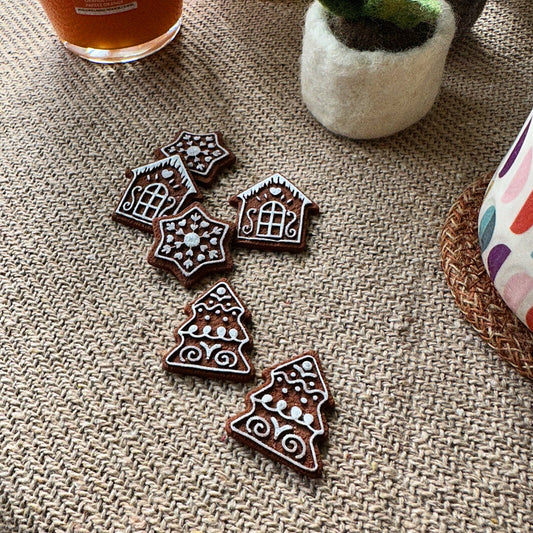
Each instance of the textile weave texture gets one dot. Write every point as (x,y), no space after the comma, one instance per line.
(431,431)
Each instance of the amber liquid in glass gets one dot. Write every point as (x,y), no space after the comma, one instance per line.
(112,24)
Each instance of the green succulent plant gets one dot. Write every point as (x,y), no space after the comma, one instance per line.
(405,14)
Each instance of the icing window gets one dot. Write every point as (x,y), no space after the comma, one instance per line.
(151,201)
(271,220)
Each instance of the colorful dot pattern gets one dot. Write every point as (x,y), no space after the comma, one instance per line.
(505,226)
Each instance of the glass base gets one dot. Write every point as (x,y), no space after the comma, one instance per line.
(123,55)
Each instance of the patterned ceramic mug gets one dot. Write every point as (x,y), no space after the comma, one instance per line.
(111,31)
(506,226)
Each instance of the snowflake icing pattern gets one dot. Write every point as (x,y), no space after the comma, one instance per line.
(200,151)
(192,240)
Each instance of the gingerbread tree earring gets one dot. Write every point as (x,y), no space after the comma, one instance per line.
(213,342)
(283,418)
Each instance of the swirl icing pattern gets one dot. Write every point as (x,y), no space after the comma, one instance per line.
(191,244)
(214,341)
(284,417)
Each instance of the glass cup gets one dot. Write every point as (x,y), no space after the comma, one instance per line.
(114,31)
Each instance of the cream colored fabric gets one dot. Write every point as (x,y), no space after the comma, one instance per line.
(432,432)
(367,95)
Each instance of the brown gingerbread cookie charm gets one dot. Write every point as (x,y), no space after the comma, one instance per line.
(283,418)
(191,244)
(273,215)
(155,190)
(213,342)
(204,154)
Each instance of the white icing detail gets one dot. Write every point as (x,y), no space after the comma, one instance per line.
(289,444)
(284,390)
(303,373)
(128,204)
(275,179)
(209,349)
(293,233)
(296,412)
(225,358)
(193,150)
(258,426)
(271,221)
(308,417)
(278,430)
(290,232)
(294,445)
(297,388)
(150,202)
(304,401)
(190,354)
(207,317)
(249,226)
(281,405)
(267,398)
(275,191)
(195,142)
(192,240)
(209,243)
(307,365)
(155,200)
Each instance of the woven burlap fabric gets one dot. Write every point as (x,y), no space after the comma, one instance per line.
(432,431)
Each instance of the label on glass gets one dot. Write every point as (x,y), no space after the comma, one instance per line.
(105,7)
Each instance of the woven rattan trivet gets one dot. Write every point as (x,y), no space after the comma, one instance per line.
(472,288)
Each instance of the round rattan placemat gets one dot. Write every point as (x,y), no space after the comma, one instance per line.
(472,288)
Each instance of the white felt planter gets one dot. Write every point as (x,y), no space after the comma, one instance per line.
(365,95)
